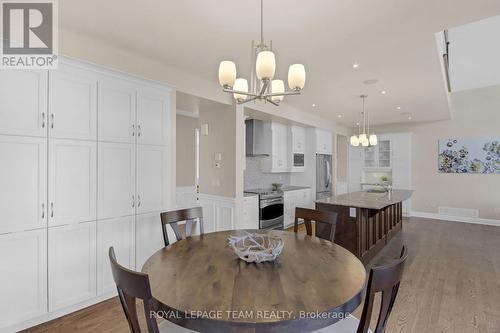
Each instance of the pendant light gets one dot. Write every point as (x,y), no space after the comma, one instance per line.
(364,138)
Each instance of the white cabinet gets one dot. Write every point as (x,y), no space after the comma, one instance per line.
(23,102)
(250,212)
(23,175)
(72,264)
(148,237)
(355,168)
(323,141)
(72,181)
(152,116)
(379,156)
(298,139)
(152,175)
(117,103)
(277,148)
(72,103)
(24,276)
(120,234)
(297,198)
(116,180)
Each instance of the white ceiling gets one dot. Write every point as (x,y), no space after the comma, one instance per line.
(392,40)
(475,54)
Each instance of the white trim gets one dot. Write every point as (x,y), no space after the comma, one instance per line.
(186,196)
(190,114)
(218,212)
(57,314)
(456,218)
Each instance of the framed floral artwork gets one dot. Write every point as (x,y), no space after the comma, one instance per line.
(478,155)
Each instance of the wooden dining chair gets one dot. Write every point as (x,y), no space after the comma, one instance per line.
(133,285)
(325,222)
(173,217)
(383,279)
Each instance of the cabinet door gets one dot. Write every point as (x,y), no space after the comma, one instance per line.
(23,102)
(153,116)
(148,237)
(23,175)
(24,276)
(72,103)
(153,170)
(116,111)
(251,212)
(120,234)
(72,181)
(116,180)
(356,160)
(72,264)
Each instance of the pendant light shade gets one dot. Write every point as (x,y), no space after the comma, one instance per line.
(365,143)
(265,65)
(296,76)
(354,140)
(240,85)
(362,138)
(227,73)
(373,140)
(277,86)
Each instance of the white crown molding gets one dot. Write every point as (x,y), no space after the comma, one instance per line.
(191,114)
(473,220)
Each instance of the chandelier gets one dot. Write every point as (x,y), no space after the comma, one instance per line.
(262,85)
(364,138)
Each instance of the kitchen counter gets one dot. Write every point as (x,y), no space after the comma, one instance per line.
(294,188)
(370,200)
(366,221)
(247,194)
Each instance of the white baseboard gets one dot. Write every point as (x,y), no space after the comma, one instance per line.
(218,212)
(473,220)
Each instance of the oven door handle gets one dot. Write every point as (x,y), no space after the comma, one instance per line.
(272,202)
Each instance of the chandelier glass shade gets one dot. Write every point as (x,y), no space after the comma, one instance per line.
(364,138)
(261,86)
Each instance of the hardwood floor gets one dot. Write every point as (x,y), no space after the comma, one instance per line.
(451,284)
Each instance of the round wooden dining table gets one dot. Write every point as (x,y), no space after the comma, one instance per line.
(199,283)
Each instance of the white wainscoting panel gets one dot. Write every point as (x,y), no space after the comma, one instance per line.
(186,197)
(218,212)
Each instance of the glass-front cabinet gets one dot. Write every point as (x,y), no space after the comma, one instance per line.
(378,156)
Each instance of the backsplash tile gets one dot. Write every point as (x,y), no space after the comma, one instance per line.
(255,178)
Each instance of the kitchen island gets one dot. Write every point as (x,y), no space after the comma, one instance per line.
(367,220)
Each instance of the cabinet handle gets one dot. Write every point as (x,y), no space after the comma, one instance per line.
(43,119)
(43,210)
(52,120)
(138,200)
(138,130)
(133,130)
(133,201)
(51,209)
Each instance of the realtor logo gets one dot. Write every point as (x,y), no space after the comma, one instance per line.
(29,35)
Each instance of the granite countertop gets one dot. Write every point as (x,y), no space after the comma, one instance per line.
(294,188)
(247,194)
(363,199)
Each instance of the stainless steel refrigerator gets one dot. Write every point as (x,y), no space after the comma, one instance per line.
(323,176)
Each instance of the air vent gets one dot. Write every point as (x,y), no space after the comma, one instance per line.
(458,212)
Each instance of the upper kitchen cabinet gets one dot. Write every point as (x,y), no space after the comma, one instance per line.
(275,139)
(23,102)
(72,103)
(23,175)
(152,116)
(298,139)
(379,156)
(323,141)
(117,104)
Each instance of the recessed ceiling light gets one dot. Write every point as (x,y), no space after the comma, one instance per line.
(383,92)
(313,105)
(410,117)
(340,116)
(355,65)
(398,108)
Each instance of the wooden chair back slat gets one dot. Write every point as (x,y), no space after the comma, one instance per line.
(386,280)
(191,216)
(132,285)
(325,222)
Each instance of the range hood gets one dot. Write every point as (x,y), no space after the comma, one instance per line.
(255,137)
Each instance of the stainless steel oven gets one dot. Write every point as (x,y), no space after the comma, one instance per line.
(271,212)
(298,160)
